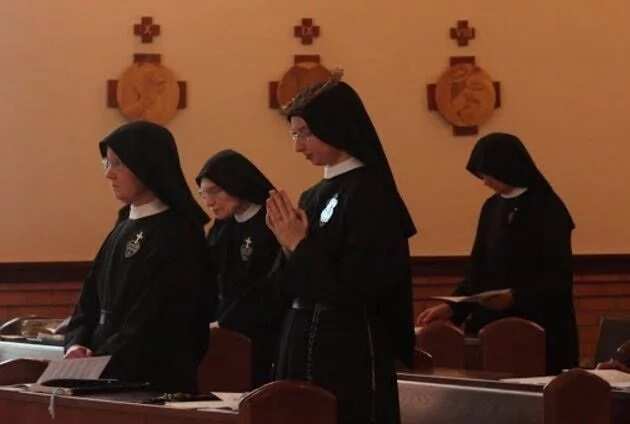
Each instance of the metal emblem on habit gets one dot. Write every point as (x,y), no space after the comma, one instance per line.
(511,215)
(133,246)
(247,249)
(328,211)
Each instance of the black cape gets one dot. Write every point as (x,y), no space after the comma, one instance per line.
(143,299)
(522,243)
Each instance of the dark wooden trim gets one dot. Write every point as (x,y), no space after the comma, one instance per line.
(426,266)
(461,131)
(601,264)
(431,102)
(147,58)
(456,60)
(582,264)
(306,58)
(183,95)
(438,265)
(497,90)
(273,95)
(43,272)
(112,88)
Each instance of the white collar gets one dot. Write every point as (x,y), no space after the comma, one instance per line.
(154,207)
(514,193)
(248,214)
(331,171)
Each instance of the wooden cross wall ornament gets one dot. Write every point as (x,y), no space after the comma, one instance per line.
(462,33)
(465,96)
(146,29)
(147,90)
(307,31)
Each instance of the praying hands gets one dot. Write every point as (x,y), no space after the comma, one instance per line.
(288,224)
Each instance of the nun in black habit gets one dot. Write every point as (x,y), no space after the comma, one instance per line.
(523,243)
(242,252)
(143,299)
(348,260)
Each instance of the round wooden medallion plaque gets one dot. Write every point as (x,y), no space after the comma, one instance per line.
(465,95)
(148,91)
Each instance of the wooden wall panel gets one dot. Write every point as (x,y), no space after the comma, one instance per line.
(601,288)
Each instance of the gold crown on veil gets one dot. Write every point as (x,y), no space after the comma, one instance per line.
(307,94)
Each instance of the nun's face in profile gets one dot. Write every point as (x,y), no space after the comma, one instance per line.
(496,185)
(222,204)
(126,186)
(313,149)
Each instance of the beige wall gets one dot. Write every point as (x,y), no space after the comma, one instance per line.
(563,66)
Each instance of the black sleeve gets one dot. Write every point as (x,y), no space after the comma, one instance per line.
(470,284)
(211,286)
(215,258)
(86,311)
(207,304)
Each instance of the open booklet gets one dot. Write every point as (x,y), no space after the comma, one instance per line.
(475,298)
(78,376)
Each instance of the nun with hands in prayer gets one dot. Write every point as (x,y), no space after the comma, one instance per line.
(347,269)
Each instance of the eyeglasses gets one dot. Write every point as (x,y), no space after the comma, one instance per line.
(210,192)
(301,134)
(111,164)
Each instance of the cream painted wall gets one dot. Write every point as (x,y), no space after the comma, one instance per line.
(563,67)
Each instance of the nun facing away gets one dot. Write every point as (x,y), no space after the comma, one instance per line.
(242,253)
(523,244)
(140,302)
(347,271)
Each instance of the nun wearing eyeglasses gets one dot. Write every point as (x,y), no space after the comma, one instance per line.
(244,255)
(347,271)
(143,299)
(523,246)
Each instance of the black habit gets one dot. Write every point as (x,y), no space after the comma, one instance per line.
(522,243)
(141,302)
(349,278)
(242,255)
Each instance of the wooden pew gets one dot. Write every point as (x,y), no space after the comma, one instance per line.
(280,402)
(227,365)
(423,365)
(444,342)
(512,346)
(18,371)
(448,400)
(515,346)
(577,397)
(288,402)
(34,408)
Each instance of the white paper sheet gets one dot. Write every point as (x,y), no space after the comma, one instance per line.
(90,368)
